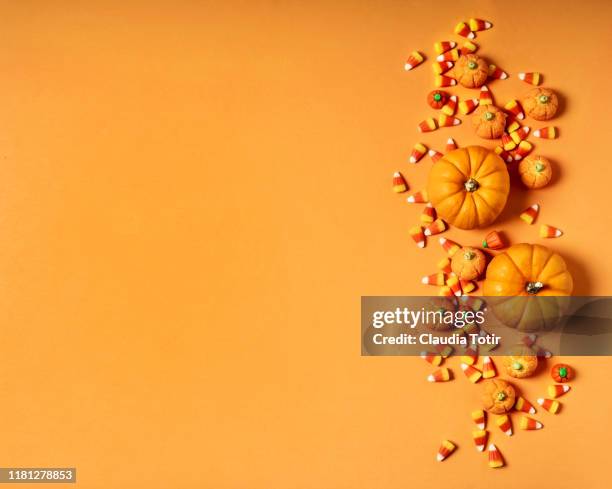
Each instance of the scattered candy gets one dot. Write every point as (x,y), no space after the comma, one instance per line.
(479,24)
(529,340)
(468,47)
(440,375)
(445,292)
(467,106)
(399,183)
(507,142)
(558,390)
(520,134)
(416,233)
(444,350)
(434,155)
(414,59)
(547,231)
(524,406)
(437,98)
(463,30)
(480,439)
(488,368)
(513,126)
(438,279)
(503,154)
(419,197)
(467,286)
(429,214)
(546,132)
(417,153)
(454,285)
(479,417)
(530,214)
(428,125)
(513,107)
(493,241)
(523,149)
(452,55)
(436,227)
(440,67)
(444,81)
(495,458)
(527,423)
(446,121)
(450,145)
(449,246)
(504,424)
(561,372)
(550,405)
(445,265)
(472,373)
(541,352)
(432,358)
(497,73)
(470,355)
(443,46)
(531,78)
(451,106)
(485,97)
(445,450)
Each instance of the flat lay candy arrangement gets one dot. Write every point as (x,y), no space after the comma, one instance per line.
(468,188)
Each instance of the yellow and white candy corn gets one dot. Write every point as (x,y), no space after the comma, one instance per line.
(463,30)
(514,107)
(452,55)
(419,197)
(479,24)
(436,227)
(445,450)
(438,279)
(443,46)
(417,153)
(520,134)
(528,423)
(550,405)
(428,125)
(504,424)
(524,406)
(432,358)
(440,375)
(468,106)
(446,121)
(496,73)
(480,418)
(440,67)
(450,145)
(451,106)
(468,47)
(429,214)
(472,373)
(445,265)
(434,155)
(522,150)
(444,81)
(495,457)
(532,78)
(547,231)
(480,439)
(546,132)
(453,283)
(530,214)
(485,97)
(414,59)
(416,233)
(488,368)
(399,183)
(558,390)
(449,246)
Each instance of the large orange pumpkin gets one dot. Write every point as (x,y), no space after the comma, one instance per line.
(469,187)
(521,273)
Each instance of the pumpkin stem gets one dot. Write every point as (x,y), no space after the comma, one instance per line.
(539,167)
(543,99)
(469,255)
(533,287)
(471,185)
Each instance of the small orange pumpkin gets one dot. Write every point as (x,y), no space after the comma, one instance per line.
(471,71)
(562,372)
(498,396)
(468,263)
(469,187)
(535,171)
(437,99)
(540,104)
(521,362)
(489,121)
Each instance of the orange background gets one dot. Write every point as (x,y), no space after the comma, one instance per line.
(193,198)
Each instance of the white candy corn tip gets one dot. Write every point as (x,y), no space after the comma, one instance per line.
(480,448)
(453,82)
(520,116)
(440,457)
(518,157)
(536,207)
(456,121)
(412,160)
(540,401)
(421,244)
(408,66)
(431,378)
(484,89)
(558,233)
(396,174)
(532,410)
(442,241)
(471,35)
(487,24)
(453,98)
(432,152)
(537,133)
(538,425)
(492,447)
(464,366)
(481,426)
(410,200)
(427,232)
(503,75)
(521,76)
(566,388)
(440,57)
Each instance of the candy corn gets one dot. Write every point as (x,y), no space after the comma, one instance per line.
(450,145)
(446,121)
(523,149)
(438,279)
(429,214)
(419,197)
(547,231)
(513,107)
(440,67)
(444,350)
(531,78)
(479,24)
(449,246)
(451,106)
(416,233)
(428,125)
(470,355)
(414,59)
(418,152)
(507,142)
(488,368)
(444,81)
(472,373)
(527,423)
(542,353)
(495,458)
(452,55)
(529,340)
(468,47)
(443,46)
(513,125)
(445,292)
(524,405)
(463,30)
(503,154)
(436,227)
(530,214)
(445,265)
(558,390)
(467,286)
(479,417)
(497,73)
(485,97)
(468,106)
(493,241)
(504,424)
(520,134)
(453,283)
(434,155)
(486,346)
(432,358)
(480,439)
(445,450)
(440,375)
(399,184)
(550,405)
(546,132)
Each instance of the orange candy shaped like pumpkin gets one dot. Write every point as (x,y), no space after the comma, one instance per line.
(489,122)
(535,171)
(498,396)
(562,372)
(540,104)
(471,71)
(521,362)
(469,187)
(469,263)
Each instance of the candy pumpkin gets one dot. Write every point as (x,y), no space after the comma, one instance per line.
(522,272)
(469,187)
(498,396)
(471,71)
(535,171)
(437,99)
(562,373)
(540,104)
(468,263)
(489,121)
(521,362)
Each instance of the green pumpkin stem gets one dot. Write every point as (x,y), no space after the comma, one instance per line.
(533,287)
